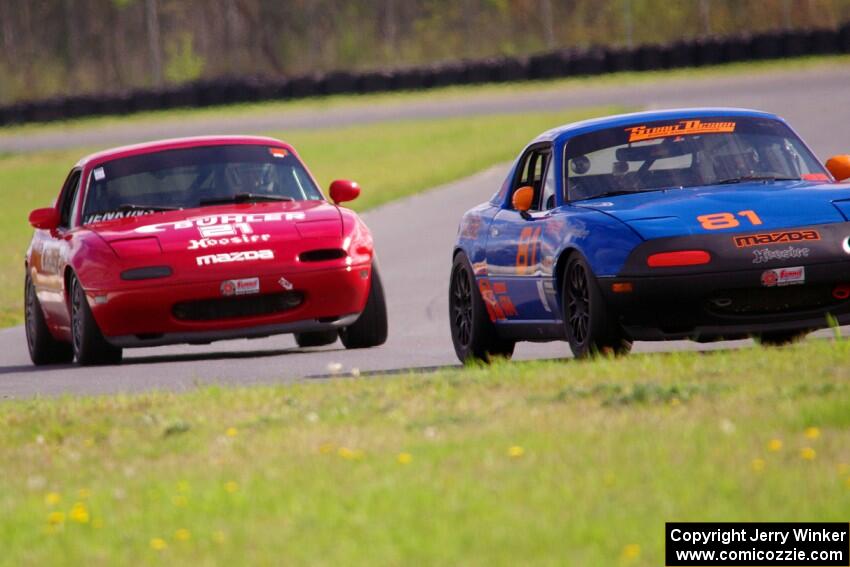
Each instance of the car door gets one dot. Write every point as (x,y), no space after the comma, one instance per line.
(520,247)
(55,249)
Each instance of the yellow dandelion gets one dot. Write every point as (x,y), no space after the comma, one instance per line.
(180,501)
(56,518)
(231,486)
(404,458)
(675,402)
(158,544)
(84,493)
(326,448)
(774,445)
(183,486)
(79,513)
(812,432)
(758,465)
(232,432)
(219,537)
(631,552)
(807,454)
(89,442)
(182,535)
(349,454)
(516,452)
(52,498)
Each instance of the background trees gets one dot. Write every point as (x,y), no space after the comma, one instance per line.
(76,46)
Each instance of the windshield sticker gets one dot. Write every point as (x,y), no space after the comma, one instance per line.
(113,215)
(278,152)
(99,174)
(246,256)
(683,127)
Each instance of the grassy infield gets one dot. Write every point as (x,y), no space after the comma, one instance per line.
(521,463)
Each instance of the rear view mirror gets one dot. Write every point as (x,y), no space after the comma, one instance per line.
(523,199)
(839,167)
(343,190)
(45,219)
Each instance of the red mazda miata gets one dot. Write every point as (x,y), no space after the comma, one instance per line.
(193,241)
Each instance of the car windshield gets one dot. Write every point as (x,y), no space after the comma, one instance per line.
(685,153)
(195,177)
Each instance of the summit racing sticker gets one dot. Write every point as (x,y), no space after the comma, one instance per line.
(681,128)
(778,237)
(245,286)
(783,276)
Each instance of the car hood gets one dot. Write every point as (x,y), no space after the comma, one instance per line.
(225,227)
(675,212)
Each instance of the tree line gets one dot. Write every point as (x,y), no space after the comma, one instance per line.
(52,47)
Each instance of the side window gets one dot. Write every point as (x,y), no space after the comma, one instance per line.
(68,198)
(533,173)
(547,197)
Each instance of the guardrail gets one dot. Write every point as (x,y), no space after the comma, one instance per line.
(550,65)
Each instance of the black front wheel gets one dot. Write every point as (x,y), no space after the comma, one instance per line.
(43,347)
(316,338)
(591,327)
(370,329)
(90,348)
(780,338)
(473,333)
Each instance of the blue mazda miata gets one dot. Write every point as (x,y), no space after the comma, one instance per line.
(703,224)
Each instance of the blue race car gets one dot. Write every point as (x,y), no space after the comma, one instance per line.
(703,224)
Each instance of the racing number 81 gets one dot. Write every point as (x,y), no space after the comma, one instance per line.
(526,254)
(717,221)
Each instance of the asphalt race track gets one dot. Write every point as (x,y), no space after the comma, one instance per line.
(413,238)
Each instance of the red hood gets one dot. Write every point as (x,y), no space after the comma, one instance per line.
(228,240)
(228,226)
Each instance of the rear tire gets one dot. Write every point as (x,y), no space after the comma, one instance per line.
(591,327)
(43,347)
(780,338)
(316,338)
(370,329)
(90,348)
(473,333)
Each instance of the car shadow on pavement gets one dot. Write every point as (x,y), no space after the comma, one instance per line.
(167,358)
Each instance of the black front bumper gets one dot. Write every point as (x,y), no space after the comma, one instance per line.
(727,299)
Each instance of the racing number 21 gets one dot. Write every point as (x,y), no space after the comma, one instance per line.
(526,254)
(716,221)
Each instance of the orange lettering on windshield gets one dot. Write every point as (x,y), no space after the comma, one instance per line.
(683,127)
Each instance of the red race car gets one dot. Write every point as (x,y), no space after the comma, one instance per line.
(193,241)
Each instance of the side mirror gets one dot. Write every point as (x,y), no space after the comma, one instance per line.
(839,167)
(523,199)
(343,190)
(45,219)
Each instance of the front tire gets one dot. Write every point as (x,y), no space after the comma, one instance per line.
(316,338)
(43,348)
(370,329)
(591,327)
(780,338)
(90,348)
(473,333)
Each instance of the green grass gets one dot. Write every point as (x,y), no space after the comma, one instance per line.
(543,463)
(389,160)
(405,97)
